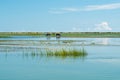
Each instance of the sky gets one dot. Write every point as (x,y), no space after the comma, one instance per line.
(59,15)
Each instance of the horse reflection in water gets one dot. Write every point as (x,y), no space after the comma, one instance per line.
(48,35)
(58,36)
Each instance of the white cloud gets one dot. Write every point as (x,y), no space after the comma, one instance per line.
(85,8)
(104,26)
(102,7)
(70,9)
(63,10)
(104,41)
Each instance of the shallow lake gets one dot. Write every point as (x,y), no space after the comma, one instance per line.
(101,63)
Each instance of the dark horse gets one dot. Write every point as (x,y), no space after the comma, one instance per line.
(58,35)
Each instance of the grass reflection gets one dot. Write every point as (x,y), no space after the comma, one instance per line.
(59,53)
(38,52)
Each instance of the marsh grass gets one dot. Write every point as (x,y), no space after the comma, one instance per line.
(61,53)
(64,34)
(5,36)
(57,52)
(64,52)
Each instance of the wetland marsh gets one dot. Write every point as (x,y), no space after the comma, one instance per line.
(66,58)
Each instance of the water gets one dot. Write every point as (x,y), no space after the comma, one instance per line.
(101,63)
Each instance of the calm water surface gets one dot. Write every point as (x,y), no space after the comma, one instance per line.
(101,63)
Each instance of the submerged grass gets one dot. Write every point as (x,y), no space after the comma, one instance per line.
(64,52)
(61,53)
(58,52)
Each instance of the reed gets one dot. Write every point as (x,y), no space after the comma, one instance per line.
(62,53)
(67,52)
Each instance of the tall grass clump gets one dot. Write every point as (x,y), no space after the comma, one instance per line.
(67,53)
(59,53)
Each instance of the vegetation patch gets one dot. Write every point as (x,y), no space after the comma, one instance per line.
(62,53)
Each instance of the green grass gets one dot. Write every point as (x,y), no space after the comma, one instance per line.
(4,36)
(61,53)
(92,34)
(65,34)
(64,52)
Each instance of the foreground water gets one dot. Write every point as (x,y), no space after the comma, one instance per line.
(101,63)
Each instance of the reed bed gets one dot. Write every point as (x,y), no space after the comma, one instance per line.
(62,53)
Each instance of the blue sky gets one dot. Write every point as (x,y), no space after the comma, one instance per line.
(59,15)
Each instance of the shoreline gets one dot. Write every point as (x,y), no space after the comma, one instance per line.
(63,34)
